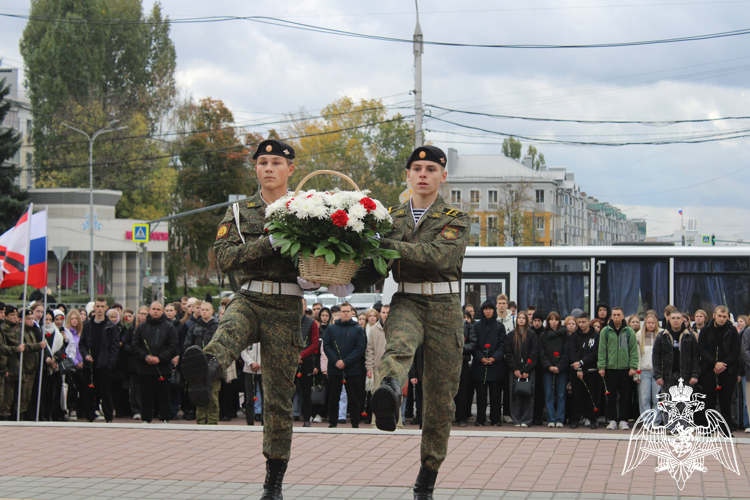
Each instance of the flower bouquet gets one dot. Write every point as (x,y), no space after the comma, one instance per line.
(329,234)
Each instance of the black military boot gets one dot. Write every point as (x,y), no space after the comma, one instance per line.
(275,470)
(385,404)
(200,370)
(425,484)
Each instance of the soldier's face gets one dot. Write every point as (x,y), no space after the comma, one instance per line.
(273,171)
(28,320)
(425,177)
(12,317)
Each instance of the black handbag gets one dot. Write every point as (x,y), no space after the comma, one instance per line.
(318,395)
(67,366)
(522,388)
(176,378)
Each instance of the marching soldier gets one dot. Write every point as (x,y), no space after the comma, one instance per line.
(267,309)
(431,237)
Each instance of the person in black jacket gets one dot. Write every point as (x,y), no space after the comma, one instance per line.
(344,343)
(553,358)
(465,394)
(155,345)
(175,390)
(675,354)
(719,345)
(583,355)
(488,367)
(537,326)
(521,357)
(99,345)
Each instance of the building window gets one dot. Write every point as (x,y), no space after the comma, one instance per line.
(539,223)
(476,231)
(474,197)
(492,199)
(493,231)
(456,196)
(540,196)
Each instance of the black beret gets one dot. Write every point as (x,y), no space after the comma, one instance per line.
(275,148)
(427,153)
(9,309)
(2,305)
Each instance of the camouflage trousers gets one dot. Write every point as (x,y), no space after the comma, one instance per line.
(274,321)
(436,322)
(9,393)
(209,415)
(4,382)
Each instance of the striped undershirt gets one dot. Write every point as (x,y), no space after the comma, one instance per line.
(417,213)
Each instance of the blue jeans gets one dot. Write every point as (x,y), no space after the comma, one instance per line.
(648,391)
(558,393)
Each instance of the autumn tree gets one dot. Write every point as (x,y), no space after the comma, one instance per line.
(515,213)
(357,139)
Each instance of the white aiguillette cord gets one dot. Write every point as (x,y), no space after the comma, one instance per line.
(236,210)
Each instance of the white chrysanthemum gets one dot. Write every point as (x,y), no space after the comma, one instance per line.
(357,211)
(294,205)
(380,213)
(277,207)
(320,211)
(357,225)
(337,201)
(305,209)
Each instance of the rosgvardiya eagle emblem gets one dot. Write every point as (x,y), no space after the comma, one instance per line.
(680,446)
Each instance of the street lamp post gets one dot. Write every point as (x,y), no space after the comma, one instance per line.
(91,140)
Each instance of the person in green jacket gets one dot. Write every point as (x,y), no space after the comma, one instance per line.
(618,362)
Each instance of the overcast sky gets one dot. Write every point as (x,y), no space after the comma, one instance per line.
(262,71)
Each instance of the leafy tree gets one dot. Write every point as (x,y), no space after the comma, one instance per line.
(12,199)
(512,148)
(357,139)
(212,163)
(87,72)
(537,158)
(514,215)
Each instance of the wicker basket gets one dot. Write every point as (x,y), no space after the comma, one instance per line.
(316,268)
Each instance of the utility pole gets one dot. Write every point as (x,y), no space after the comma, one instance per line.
(418,109)
(91,139)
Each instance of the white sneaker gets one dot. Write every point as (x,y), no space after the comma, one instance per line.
(318,419)
(747,430)
(551,424)
(586,422)
(612,425)
(624,426)
(137,416)
(73,417)
(559,425)
(507,419)
(524,425)
(517,425)
(99,418)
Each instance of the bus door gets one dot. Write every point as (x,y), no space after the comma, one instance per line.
(476,290)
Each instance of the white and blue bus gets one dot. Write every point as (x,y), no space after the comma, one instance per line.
(636,278)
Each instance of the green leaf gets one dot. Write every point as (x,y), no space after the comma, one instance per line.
(321,251)
(285,247)
(294,249)
(344,247)
(380,265)
(333,239)
(391,254)
(330,257)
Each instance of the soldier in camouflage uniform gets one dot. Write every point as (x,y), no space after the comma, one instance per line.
(7,350)
(431,237)
(30,347)
(267,309)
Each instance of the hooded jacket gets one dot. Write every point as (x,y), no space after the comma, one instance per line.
(583,348)
(663,355)
(726,351)
(201,333)
(155,337)
(489,332)
(618,348)
(470,341)
(609,312)
(551,342)
(350,340)
(525,358)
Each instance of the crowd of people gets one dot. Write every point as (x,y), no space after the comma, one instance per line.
(526,367)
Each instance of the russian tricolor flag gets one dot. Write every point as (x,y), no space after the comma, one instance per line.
(13,245)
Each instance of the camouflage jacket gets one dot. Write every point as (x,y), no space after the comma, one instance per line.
(255,259)
(433,251)
(6,349)
(11,335)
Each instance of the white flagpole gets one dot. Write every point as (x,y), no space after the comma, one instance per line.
(41,353)
(23,315)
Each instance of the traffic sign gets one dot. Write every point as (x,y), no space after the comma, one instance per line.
(158,279)
(706,240)
(140,233)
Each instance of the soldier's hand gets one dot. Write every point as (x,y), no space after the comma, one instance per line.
(307,285)
(21,348)
(524,375)
(631,372)
(43,344)
(369,373)
(79,365)
(341,290)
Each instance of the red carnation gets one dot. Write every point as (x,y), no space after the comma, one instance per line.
(161,379)
(255,399)
(638,372)
(487,346)
(91,386)
(340,218)
(343,381)
(596,410)
(529,361)
(63,356)
(299,375)
(606,393)
(368,204)
(317,352)
(364,413)
(556,354)
(48,335)
(718,387)
(265,229)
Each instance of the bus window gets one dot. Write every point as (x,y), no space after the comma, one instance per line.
(636,285)
(708,283)
(554,284)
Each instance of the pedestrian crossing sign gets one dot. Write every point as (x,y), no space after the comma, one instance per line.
(140,233)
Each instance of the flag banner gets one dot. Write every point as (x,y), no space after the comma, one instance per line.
(13,245)
(680,211)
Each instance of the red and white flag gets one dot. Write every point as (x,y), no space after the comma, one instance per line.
(14,245)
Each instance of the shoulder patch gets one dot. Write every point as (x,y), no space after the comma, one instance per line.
(223,231)
(393,209)
(435,216)
(452,212)
(449,233)
(251,204)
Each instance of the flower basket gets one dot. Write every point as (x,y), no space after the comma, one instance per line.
(329,234)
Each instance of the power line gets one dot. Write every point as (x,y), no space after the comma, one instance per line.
(283,23)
